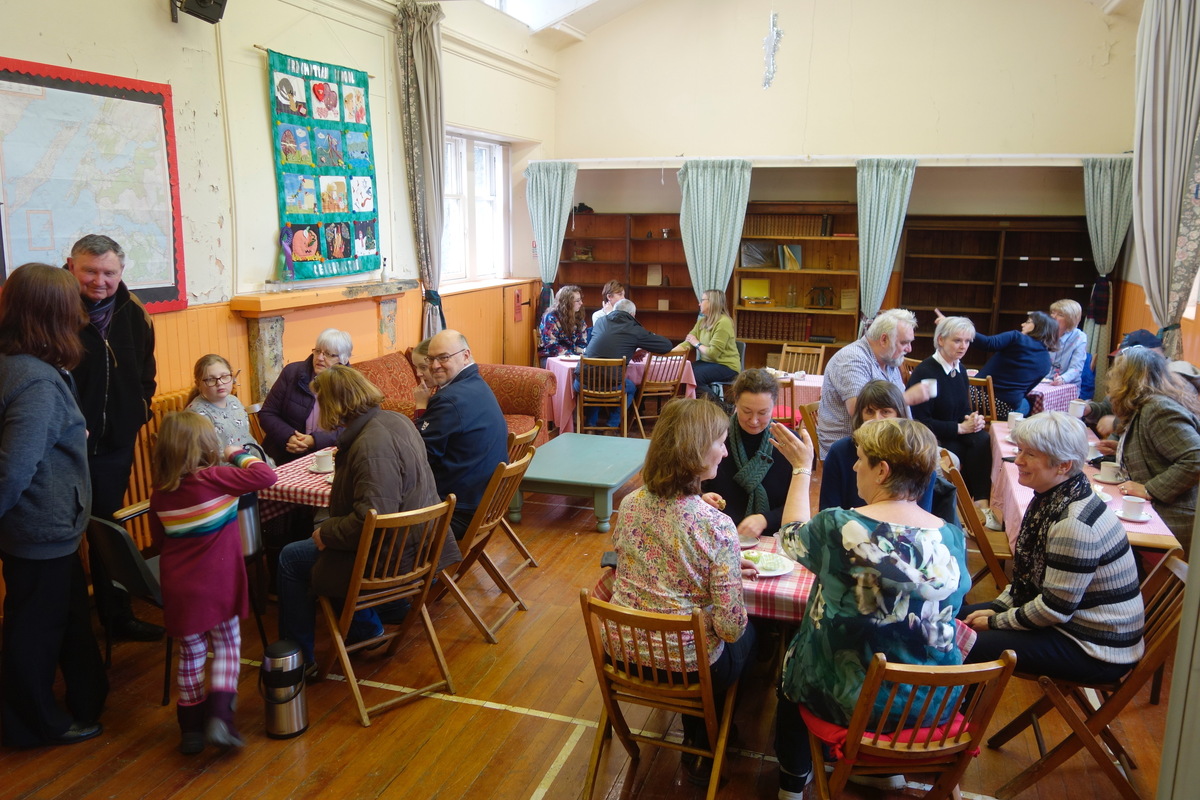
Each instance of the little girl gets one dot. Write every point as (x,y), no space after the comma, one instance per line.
(212,397)
(194,524)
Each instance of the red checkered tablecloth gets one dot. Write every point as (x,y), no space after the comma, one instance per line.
(1048,397)
(298,485)
(781,598)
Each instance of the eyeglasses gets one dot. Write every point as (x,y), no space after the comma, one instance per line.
(444,358)
(329,356)
(221,380)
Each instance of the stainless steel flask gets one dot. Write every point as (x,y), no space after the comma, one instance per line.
(281,683)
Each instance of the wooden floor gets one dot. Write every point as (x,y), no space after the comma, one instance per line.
(520,726)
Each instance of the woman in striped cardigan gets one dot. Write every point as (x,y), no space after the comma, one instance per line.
(1073,609)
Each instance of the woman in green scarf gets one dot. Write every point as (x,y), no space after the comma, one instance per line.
(752,480)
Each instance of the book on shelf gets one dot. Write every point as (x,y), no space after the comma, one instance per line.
(826,224)
(758,254)
(822,339)
(654,275)
(789,256)
(849,299)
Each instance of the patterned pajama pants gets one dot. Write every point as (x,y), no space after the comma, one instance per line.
(226,640)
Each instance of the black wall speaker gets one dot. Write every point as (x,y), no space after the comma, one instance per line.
(207,10)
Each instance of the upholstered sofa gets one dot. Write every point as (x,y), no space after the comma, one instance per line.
(525,393)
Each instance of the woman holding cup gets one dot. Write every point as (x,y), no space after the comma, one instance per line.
(1159,447)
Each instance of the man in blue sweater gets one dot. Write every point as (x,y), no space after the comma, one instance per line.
(464,430)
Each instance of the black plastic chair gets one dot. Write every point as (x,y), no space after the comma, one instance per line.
(138,575)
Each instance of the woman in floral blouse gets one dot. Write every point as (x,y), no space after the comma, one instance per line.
(676,553)
(890,578)
(563,329)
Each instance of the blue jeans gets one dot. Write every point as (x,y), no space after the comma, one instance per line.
(591,416)
(298,605)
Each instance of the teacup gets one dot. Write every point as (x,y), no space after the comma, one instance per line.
(1014,417)
(1078,408)
(930,385)
(1133,507)
(323,462)
(1110,472)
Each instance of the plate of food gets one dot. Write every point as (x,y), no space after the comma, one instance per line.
(770,565)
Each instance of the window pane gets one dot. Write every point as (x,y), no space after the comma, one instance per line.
(485,175)
(454,240)
(486,250)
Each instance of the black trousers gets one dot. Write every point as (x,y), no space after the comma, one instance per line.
(110,479)
(47,627)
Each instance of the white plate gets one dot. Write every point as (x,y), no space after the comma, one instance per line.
(1102,495)
(1098,479)
(568,358)
(770,565)
(313,468)
(329,479)
(1008,438)
(1142,518)
(748,542)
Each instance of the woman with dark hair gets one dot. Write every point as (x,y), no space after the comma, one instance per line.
(563,329)
(45,499)
(290,415)
(717,357)
(677,553)
(1159,445)
(890,578)
(1020,360)
(839,487)
(752,481)
(380,464)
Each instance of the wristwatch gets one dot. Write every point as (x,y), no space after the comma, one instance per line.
(801,471)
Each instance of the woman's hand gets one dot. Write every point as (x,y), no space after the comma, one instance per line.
(972,423)
(798,450)
(692,340)
(300,443)
(978,620)
(1134,489)
(1107,447)
(421,395)
(938,315)
(316,537)
(1105,426)
(753,525)
(713,499)
(749,571)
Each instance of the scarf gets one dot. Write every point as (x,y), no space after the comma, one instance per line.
(101,313)
(1029,557)
(750,470)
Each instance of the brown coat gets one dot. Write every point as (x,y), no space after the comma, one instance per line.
(380,464)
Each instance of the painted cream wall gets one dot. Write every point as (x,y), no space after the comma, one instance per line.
(854,77)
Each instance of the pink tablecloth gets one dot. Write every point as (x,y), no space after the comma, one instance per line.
(1010,498)
(564,394)
(1048,397)
(297,485)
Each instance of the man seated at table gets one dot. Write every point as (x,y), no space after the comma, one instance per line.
(464,430)
(877,356)
(618,334)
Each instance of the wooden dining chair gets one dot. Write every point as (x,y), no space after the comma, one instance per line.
(802,358)
(992,545)
(616,637)
(983,397)
(906,368)
(125,565)
(602,387)
(506,479)
(396,559)
(808,414)
(518,446)
(661,383)
(784,411)
(940,733)
(1162,596)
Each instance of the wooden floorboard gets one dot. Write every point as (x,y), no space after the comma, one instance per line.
(521,724)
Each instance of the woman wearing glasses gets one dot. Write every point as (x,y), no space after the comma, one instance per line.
(290,415)
(212,397)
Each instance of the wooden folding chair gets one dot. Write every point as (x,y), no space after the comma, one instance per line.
(601,386)
(660,384)
(939,730)
(906,368)
(983,397)
(518,446)
(396,560)
(797,358)
(617,637)
(808,413)
(488,516)
(1162,595)
(992,545)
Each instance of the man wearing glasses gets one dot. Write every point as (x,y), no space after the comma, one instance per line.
(115,382)
(463,428)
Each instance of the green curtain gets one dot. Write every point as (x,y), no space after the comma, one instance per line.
(710,219)
(549,187)
(884,186)
(1108,198)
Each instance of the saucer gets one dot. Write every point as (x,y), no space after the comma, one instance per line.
(1142,518)
(1099,479)
(748,542)
(1105,496)
(313,468)
(329,478)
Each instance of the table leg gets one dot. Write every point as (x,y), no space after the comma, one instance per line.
(602,502)
(514,507)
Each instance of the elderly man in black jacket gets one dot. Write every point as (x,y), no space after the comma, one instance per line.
(115,383)
(619,335)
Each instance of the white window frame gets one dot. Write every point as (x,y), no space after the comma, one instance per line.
(460,188)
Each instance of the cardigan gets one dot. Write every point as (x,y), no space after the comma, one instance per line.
(776,482)
(1019,363)
(1069,358)
(286,411)
(943,414)
(720,341)
(554,341)
(195,528)
(1161,450)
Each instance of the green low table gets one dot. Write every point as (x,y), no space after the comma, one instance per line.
(584,465)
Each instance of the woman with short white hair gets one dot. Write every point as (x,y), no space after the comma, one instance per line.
(290,416)
(1073,609)
(1066,363)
